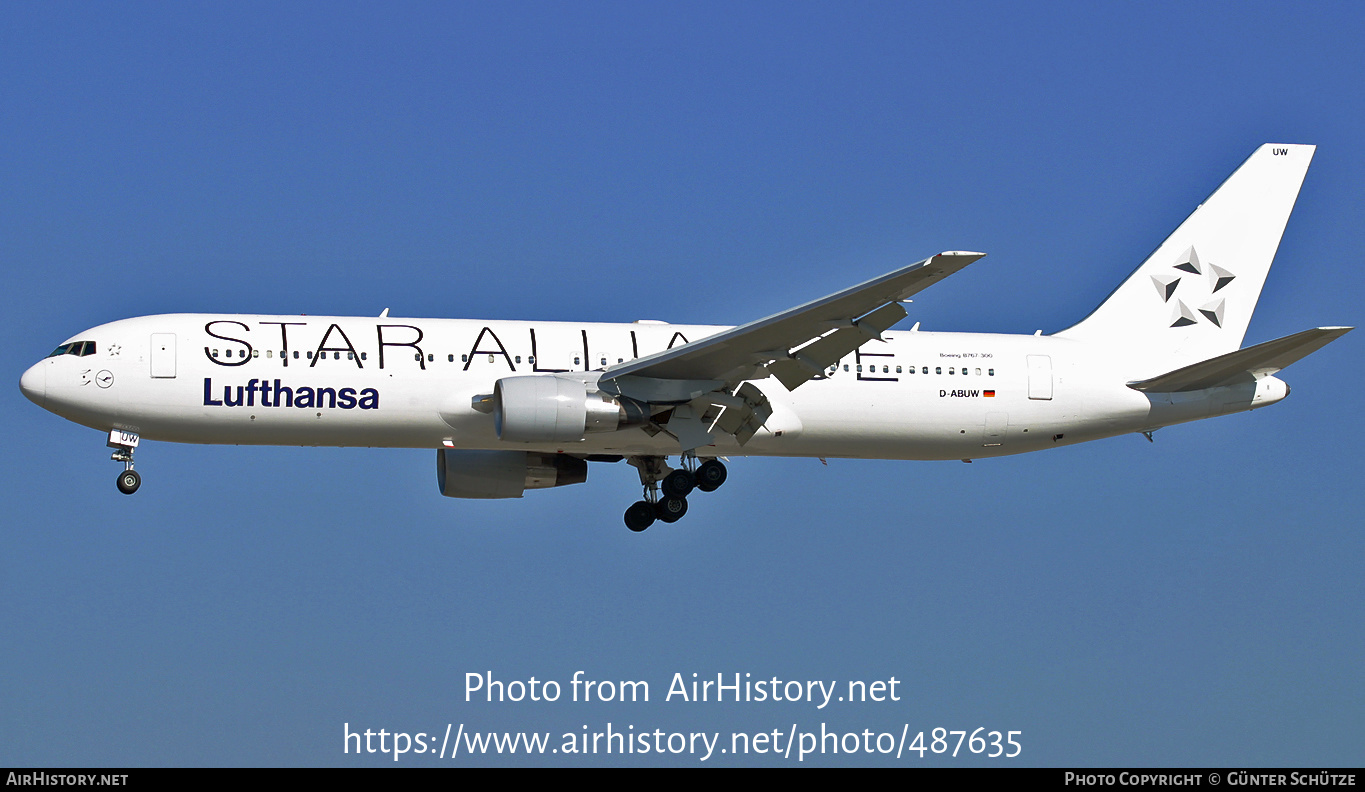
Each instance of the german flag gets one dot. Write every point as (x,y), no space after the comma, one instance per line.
(988,394)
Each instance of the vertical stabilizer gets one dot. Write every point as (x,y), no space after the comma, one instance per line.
(1192,299)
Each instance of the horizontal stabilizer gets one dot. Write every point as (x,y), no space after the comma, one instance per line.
(1244,364)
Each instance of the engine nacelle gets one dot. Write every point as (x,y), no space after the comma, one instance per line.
(504,474)
(558,410)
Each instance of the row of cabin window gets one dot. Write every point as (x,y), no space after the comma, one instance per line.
(88,348)
(530,359)
(872,369)
(270,353)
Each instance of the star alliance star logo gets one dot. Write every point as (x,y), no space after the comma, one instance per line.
(1209,281)
(114,350)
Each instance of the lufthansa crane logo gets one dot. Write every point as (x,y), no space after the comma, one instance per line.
(1201,290)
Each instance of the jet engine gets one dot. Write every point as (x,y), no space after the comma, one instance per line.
(504,474)
(558,410)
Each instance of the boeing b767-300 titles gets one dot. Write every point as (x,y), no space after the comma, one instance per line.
(511,406)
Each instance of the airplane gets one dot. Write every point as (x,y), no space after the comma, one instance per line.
(513,406)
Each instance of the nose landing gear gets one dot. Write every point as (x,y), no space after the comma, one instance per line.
(670,504)
(124,444)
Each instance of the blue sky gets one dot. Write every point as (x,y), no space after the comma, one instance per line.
(1195,601)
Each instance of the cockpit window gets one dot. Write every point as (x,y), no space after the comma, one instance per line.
(77,348)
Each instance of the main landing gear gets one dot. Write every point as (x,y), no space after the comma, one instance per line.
(666,490)
(124,444)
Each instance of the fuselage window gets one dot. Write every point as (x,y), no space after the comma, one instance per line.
(362,356)
(978,372)
(255,353)
(350,356)
(577,361)
(296,354)
(268,354)
(990,372)
(215,353)
(336,356)
(417,356)
(845,367)
(518,358)
(531,359)
(492,358)
(464,358)
(860,368)
(924,370)
(450,358)
(950,369)
(887,369)
(938,369)
(604,361)
(241,353)
(310,354)
(431,358)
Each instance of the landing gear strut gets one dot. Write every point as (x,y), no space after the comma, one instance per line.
(124,443)
(666,489)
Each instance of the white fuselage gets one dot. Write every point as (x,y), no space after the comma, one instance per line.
(393,382)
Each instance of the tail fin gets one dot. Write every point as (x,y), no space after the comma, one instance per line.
(1192,298)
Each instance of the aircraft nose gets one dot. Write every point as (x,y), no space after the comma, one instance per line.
(34,383)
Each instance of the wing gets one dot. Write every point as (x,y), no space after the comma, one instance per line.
(794,346)
(852,316)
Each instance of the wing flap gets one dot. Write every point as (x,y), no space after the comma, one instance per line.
(1244,364)
(811,360)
